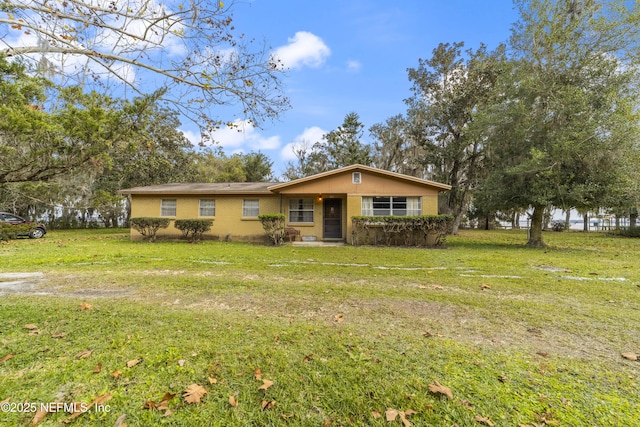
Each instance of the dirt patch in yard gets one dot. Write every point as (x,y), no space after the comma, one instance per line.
(37,283)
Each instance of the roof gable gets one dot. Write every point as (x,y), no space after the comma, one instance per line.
(359,168)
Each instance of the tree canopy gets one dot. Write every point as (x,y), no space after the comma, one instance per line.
(567,119)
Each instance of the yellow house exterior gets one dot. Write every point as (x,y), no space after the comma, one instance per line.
(319,206)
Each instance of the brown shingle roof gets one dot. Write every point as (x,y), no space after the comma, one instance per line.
(203,188)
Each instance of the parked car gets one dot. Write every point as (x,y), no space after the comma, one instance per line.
(36,233)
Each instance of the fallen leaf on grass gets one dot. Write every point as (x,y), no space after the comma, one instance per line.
(265,384)
(99,400)
(181,362)
(327,423)
(116,374)
(81,409)
(437,287)
(268,404)
(34,332)
(232,401)
(485,286)
(484,420)
(58,335)
(30,326)
(83,354)
(391,415)
(629,356)
(120,421)
(287,416)
(212,380)
(86,306)
(7,357)
(98,368)
(438,388)
(162,405)
(132,363)
(376,414)
(308,358)
(257,373)
(194,393)
(149,404)
(39,416)
(339,318)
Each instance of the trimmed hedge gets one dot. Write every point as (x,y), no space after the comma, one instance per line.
(628,232)
(193,229)
(10,231)
(148,226)
(273,225)
(422,231)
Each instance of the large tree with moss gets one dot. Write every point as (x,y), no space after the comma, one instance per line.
(567,119)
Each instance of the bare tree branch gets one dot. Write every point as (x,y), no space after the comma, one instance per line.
(191,48)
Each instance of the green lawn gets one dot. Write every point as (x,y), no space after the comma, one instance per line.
(520,336)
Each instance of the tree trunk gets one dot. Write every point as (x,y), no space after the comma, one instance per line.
(586,222)
(456,223)
(567,219)
(633,216)
(535,232)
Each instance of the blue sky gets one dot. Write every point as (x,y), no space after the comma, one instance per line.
(348,56)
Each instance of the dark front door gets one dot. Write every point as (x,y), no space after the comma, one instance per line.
(332,219)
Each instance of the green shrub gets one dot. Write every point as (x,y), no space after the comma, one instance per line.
(426,230)
(193,229)
(273,225)
(148,226)
(10,231)
(629,232)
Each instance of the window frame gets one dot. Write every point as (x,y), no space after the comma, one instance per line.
(200,207)
(301,210)
(245,208)
(369,207)
(164,209)
(356,177)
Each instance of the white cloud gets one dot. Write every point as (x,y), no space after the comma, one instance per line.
(242,136)
(193,137)
(304,49)
(306,139)
(353,66)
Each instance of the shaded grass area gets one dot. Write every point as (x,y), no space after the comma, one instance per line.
(520,336)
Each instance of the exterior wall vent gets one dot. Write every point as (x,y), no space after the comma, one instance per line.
(356,178)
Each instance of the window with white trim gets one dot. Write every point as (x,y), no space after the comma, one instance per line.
(207,207)
(301,210)
(168,207)
(250,208)
(391,205)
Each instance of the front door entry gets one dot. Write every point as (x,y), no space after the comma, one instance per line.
(332,228)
